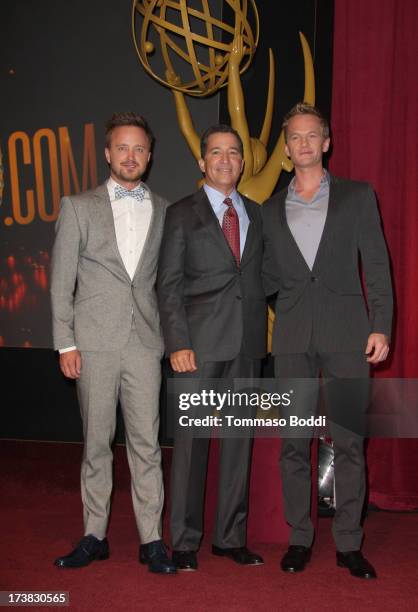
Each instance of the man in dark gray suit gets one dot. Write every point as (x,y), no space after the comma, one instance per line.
(213,315)
(107,330)
(314,232)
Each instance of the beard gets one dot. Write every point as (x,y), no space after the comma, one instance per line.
(133,175)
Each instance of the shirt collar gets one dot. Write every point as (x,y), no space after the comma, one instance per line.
(324,179)
(216,198)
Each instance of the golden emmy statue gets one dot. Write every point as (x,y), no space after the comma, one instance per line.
(209,65)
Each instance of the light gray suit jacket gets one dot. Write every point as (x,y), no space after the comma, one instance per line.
(92,294)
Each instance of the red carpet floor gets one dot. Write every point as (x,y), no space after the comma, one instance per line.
(40,519)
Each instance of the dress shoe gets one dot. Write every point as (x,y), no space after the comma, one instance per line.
(154,554)
(89,549)
(295,559)
(240,555)
(185,560)
(356,563)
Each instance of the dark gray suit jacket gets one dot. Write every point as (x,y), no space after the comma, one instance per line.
(206,302)
(327,304)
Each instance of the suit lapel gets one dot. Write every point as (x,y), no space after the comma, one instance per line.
(250,242)
(104,217)
(289,242)
(155,218)
(329,227)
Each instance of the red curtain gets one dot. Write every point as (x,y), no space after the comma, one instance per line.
(374,121)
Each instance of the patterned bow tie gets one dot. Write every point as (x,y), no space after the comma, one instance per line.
(138,193)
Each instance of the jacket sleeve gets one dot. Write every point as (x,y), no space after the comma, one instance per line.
(375,262)
(64,275)
(170,284)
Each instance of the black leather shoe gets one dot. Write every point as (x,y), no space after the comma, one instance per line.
(240,555)
(295,559)
(89,549)
(154,554)
(185,560)
(356,563)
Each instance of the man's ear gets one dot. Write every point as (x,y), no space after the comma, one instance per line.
(107,155)
(325,145)
(201,163)
(286,150)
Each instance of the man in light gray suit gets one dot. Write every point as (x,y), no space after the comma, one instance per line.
(107,330)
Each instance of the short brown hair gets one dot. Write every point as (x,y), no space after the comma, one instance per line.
(219,129)
(303,108)
(127,118)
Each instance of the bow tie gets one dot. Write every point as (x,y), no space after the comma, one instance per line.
(138,193)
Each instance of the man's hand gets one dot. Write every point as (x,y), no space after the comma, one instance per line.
(70,364)
(377,348)
(183,361)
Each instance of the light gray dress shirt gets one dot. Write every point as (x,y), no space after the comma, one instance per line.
(306,220)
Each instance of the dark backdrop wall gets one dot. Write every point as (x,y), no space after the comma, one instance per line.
(65,68)
(73,68)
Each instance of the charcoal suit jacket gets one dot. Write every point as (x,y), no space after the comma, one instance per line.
(207,303)
(327,305)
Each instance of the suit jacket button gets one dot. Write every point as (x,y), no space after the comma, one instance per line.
(313,279)
(239,297)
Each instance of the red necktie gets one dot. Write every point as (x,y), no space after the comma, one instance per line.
(230,228)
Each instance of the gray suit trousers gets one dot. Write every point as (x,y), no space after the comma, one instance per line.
(189,471)
(346,392)
(133,376)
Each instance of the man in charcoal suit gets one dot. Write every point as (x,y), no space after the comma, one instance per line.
(106,328)
(314,232)
(213,314)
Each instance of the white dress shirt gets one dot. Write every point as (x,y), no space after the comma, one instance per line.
(132,220)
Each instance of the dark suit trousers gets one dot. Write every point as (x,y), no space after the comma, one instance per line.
(189,469)
(346,391)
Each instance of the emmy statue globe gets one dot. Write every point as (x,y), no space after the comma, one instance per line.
(186,48)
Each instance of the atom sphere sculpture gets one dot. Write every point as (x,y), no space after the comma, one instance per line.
(192,42)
